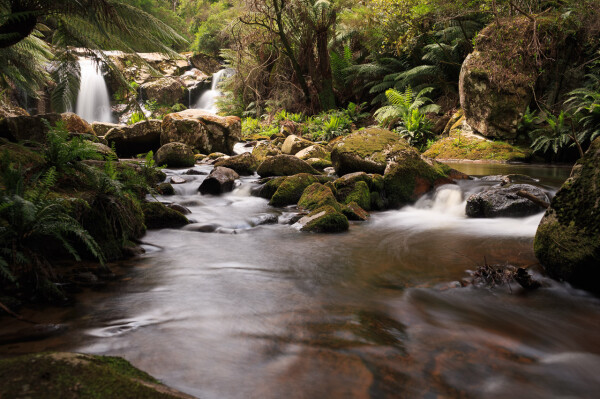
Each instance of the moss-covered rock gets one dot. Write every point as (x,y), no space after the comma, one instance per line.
(291,188)
(363,151)
(409,176)
(135,139)
(317,195)
(264,150)
(158,216)
(175,155)
(33,128)
(324,220)
(294,144)
(268,187)
(244,164)
(284,165)
(319,164)
(567,242)
(20,155)
(165,189)
(70,375)
(354,212)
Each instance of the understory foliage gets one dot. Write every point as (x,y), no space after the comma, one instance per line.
(55,204)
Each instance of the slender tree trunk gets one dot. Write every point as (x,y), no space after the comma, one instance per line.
(326,94)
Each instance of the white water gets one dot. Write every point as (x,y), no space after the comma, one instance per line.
(93,101)
(208,99)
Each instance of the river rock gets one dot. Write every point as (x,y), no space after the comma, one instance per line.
(291,188)
(314,151)
(179,208)
(177,180)
(244,164)
(317,195)
(158,216)
(284,165)
(76,124)
(25,127)
(220,180)
(567,242)
(320,164)
(101,128)
(135,139)
(71,375)
(167,90)
(504,202)
(324,220)
(165,189)
(105,150)
(268,187)
(205,63)
(294,144)
(363,151)
(264,150)
(175,155)
(353,211)
(202,130)
(356,187)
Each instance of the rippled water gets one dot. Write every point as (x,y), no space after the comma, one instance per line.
(270,312)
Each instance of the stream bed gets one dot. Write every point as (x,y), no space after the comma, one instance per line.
(265,311)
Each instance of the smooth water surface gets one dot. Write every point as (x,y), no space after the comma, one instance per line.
(378,312)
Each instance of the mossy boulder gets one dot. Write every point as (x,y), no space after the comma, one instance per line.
(567,242)
(101,128)
(104,150)
(33,128)
(167,90)
(294,144)
(284,165)
(504,202)
(158,216)
(317,195)
(318,163)
(135,139)
(268,187)
(165,189)
(244,164)
(291,188)
(264,150)
(175,155)
(202,130)
(73,375)
(363,151)
(20,155)
(220,180)
(409,176)
(314,151)
(325,219)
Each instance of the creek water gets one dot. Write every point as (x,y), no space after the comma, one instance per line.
(93,100)
(377,312)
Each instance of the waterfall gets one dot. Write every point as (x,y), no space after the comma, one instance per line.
(93,101)
(208,99)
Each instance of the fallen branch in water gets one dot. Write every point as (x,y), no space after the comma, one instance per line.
(15,315)
(533,198)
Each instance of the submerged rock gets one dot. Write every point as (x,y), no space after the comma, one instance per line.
(175,155)
(74,375)
(567,242)
(504,202)
(284,165)
(220,180)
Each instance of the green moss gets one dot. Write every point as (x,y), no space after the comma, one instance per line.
(158,216)
(317,195)
(165,189)
(319,164)
(359,194)
(270,187)
(66,375)
(291,189)
(325,220)
(368,143)
(354,212)
(472,148)
(21,155)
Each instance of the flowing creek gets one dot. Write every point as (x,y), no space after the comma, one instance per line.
(270,312)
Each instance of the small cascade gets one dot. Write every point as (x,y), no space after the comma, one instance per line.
(93,101)
(208,99)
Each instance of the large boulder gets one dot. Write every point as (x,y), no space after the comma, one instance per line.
(504,202)
(135,139)
(205,63)
(175,155)
(313,151)
(205,132)
(317,195)
(101,128)
(244,164)
(363,151)
(294,144)
(325,219)
(567,242)
(158,216)
(34,128)
(167,90)
(220,180)
(493,111)
(265,150)
(284,165)
(357,187)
